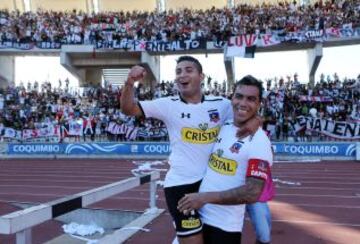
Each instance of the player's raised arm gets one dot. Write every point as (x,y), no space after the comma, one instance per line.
(128,104)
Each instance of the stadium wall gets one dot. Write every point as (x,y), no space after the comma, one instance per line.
(180,4)
(63,5)
(125,5)
(9,5)
(283,151)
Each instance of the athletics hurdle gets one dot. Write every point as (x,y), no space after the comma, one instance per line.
(21,222)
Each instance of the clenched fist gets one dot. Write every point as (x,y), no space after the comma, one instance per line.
(136,73)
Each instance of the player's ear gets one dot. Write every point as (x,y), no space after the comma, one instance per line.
(202,77)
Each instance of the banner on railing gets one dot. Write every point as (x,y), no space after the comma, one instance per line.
(303,98)
(314,35)
(48,45)
(16,45)
(130,132)
(76,127)
(48,132)
(260,40)
(337,129)
(237,45)
(153,46)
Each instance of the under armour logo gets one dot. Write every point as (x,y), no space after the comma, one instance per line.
(183,115)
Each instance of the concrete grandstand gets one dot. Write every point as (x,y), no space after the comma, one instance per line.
(77,59)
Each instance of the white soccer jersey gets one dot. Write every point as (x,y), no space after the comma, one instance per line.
(226,169)
(193,129)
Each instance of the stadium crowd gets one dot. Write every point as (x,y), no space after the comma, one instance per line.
(32,112)
(330,99)
(212,24)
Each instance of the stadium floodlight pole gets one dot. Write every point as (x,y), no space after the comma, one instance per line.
(96,6)
(305,2)
(160,5)
(27,5)
(230,3)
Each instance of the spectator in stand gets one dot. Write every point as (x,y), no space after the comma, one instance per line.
(333,98)
(211,24)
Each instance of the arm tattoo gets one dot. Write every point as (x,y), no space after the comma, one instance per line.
(248,193)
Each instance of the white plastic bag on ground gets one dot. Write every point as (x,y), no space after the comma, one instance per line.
(82,230)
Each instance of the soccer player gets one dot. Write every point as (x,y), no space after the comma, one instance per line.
(193,122)
(237,171)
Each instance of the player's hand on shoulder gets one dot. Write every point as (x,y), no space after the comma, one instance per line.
(250,127)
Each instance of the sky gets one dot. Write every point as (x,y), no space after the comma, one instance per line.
(40,68)
(342,60)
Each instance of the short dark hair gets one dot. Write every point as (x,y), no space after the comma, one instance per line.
(250,80)
(191,59)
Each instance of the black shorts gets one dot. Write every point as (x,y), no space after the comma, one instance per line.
(185,225)
(214,235)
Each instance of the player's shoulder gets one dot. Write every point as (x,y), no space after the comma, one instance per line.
(211,98)
(216,99)
(260,134)
(168,99)
(227,128)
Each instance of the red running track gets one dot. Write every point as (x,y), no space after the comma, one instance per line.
(315,202)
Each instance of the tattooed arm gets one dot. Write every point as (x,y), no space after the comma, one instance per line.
(248,193)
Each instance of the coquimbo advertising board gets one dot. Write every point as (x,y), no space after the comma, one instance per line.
(315,149)
(163,149)
(90,149)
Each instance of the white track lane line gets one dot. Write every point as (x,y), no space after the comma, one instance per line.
(316,195)
(314,205)
(307,222)
(317,188)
